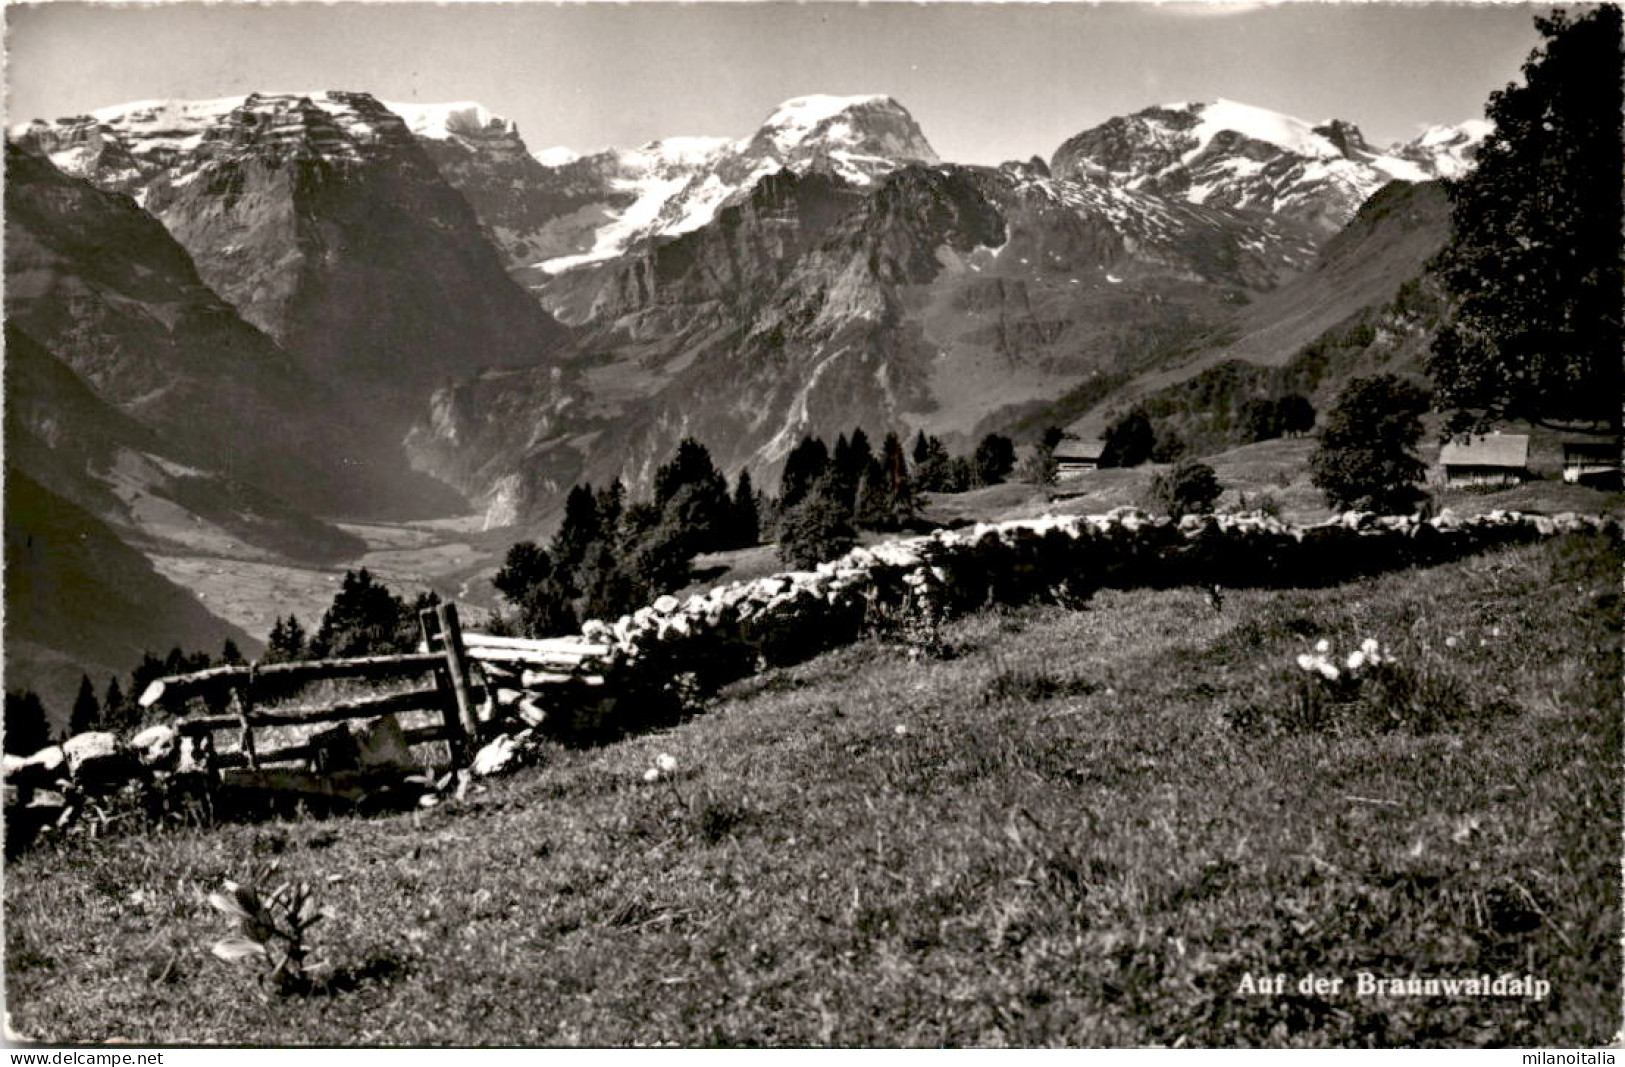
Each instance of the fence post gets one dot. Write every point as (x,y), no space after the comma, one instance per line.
(243,697)
(440,627)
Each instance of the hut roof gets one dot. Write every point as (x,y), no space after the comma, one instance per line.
(1487,450)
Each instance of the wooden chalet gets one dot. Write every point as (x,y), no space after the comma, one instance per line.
(1486,460)
(1074,458)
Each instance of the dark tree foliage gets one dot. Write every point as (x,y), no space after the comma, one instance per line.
(695,493)
(995,458)
(1534,261)
(27,729)
(1128,441)
(365,619)
(579,530)
(119,712)
(1169,446)
(87,710)
(287,642)
(1260,420)
(933,466)
(817,529)
(1190,487)
(745,516)
(148,670)
(961,475)
(803,467)
(527,580)
(1051,438)
(1367,457)
(1296,414)
(902,490)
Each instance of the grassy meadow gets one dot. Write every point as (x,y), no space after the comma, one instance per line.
(1081,827)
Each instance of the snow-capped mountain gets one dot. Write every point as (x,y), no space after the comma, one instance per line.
(1252,159)
(1445,151)
(676,185)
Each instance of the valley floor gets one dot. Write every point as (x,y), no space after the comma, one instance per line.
(1084,827)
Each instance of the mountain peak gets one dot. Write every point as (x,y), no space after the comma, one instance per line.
(871,125)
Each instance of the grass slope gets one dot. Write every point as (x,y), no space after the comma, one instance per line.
(1060,836)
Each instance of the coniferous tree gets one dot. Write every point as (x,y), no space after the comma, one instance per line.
(286,643)
(149,669)
(87,710)
(816,529)
(230,653)
(365,619)
(118,713)
(695,494)
(902,492)
(579,529)
(1534,261)
(803,467)
(27,730)
(932,464)
(873,507)
(746,523)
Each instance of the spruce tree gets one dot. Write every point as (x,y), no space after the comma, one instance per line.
(746,523)
(87,710)
(803,467)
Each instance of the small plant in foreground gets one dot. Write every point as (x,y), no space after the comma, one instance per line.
(713,818)
(271,928)
(1368,688)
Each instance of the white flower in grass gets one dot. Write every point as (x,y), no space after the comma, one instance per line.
(1306,661)
(900,730)
(1371,648)
(651,775)
(1323,645)
(1452,641)
(1356,660)
(1327,671)
(666,763)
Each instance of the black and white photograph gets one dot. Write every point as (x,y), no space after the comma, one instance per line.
(820,525)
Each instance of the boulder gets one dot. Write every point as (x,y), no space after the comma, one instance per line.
(333,749)
(498,757)
(381,745)
(157,746)
(96,760)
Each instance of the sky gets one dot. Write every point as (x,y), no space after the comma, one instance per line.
(987,82)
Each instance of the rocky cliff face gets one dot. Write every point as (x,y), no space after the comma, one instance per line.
(323,220)
(923,298)
(100,285)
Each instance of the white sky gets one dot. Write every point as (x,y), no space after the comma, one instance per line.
(987,82)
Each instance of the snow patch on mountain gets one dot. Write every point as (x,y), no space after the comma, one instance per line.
(1285,132)
(680,183)
(445,122)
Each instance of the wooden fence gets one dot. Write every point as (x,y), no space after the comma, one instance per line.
(241,696)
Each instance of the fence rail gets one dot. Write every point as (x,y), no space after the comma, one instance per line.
(446,653)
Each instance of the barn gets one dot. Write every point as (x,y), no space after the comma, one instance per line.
(1494,460)
(1073,458)
(1593,463)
